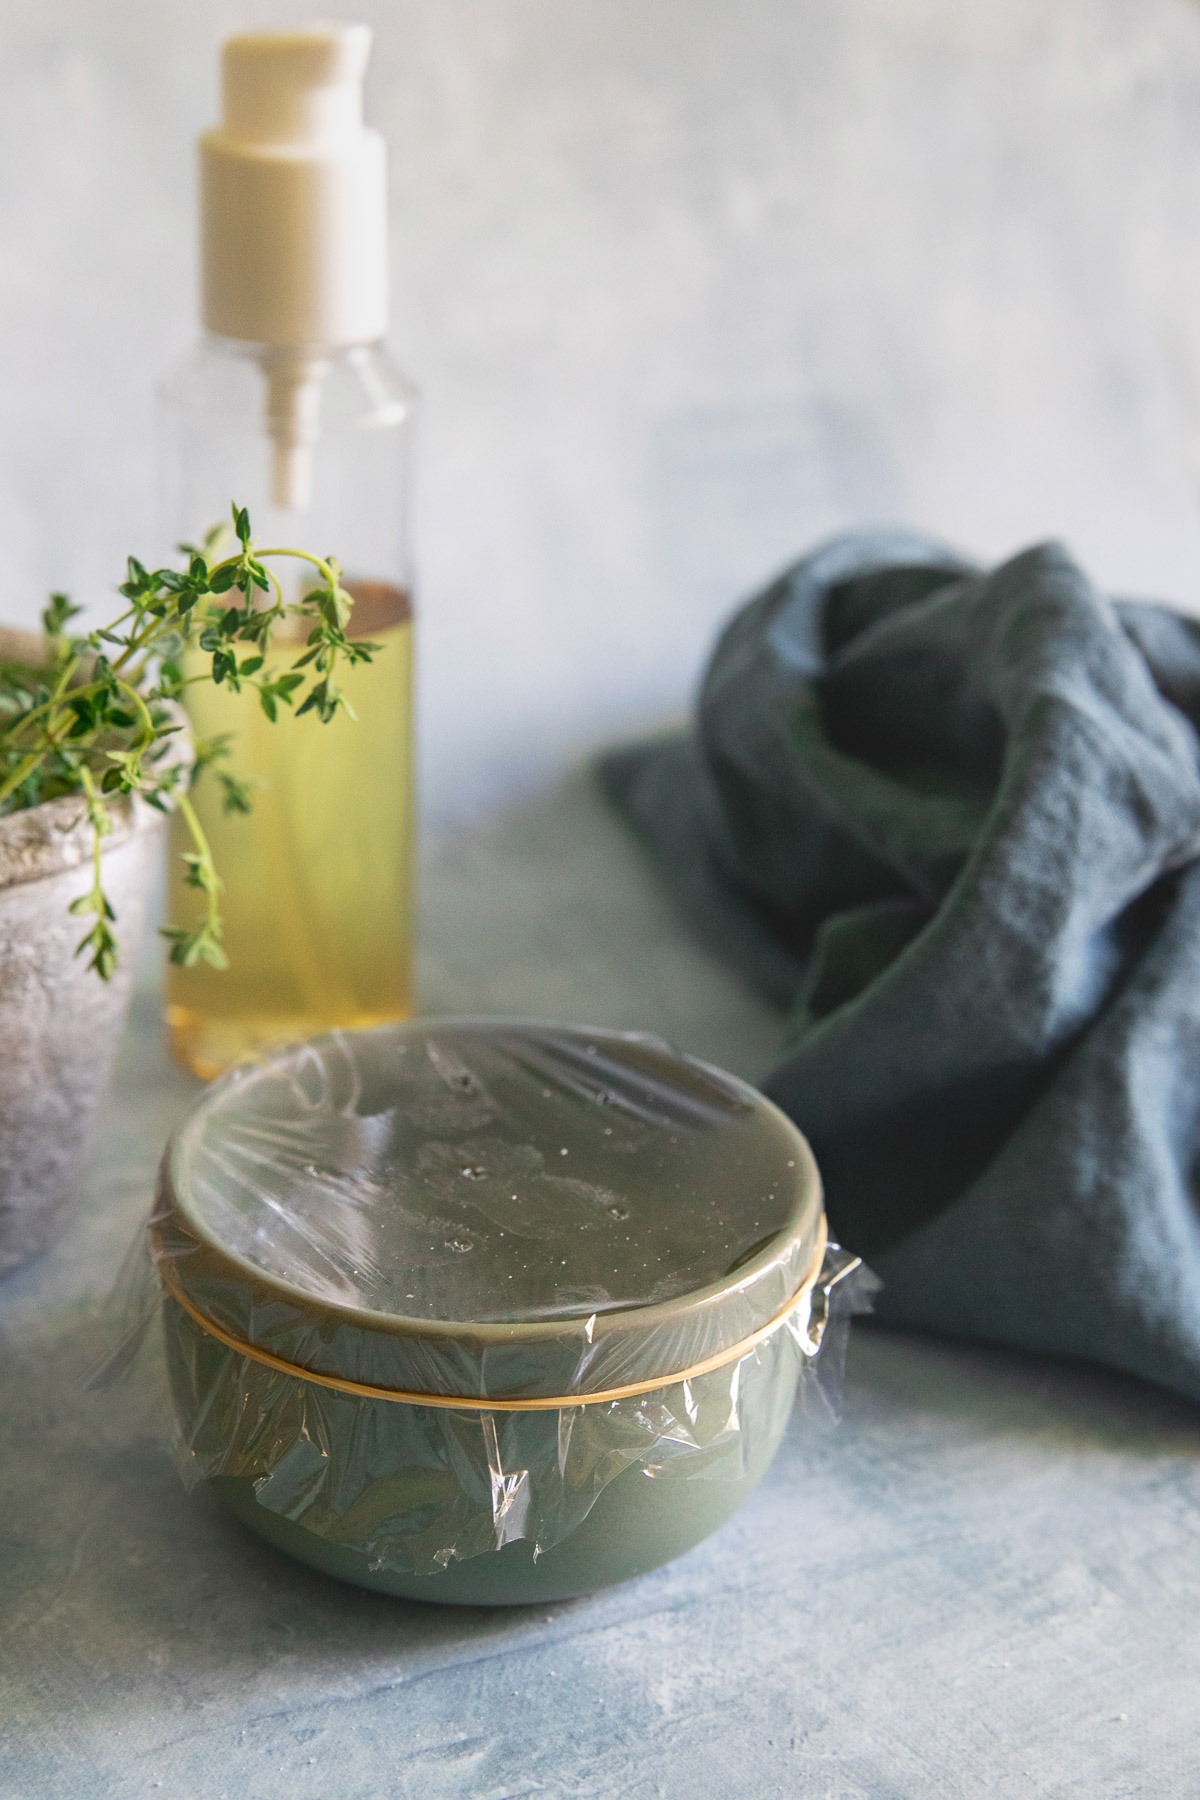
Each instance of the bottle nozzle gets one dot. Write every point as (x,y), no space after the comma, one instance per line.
(293,203)
(294,87)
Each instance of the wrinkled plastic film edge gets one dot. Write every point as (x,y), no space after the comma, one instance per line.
(844,1289)
(412,1488)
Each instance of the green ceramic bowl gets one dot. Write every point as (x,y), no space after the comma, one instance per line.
(478,1214)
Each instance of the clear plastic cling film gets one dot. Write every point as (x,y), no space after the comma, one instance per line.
(475,1214)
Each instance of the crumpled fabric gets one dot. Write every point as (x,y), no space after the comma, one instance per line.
(950,818)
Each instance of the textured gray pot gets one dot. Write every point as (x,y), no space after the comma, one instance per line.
(59,1023)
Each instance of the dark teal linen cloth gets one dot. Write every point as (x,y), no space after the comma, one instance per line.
(951,819)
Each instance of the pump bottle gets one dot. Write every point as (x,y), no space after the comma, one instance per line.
(290,407)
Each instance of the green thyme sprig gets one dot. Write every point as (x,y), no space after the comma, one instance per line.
(97,718)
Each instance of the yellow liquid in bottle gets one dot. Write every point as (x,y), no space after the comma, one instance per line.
(317,906)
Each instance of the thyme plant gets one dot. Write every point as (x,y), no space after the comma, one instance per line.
(97,717)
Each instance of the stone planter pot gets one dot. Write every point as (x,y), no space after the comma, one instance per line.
(60,1025)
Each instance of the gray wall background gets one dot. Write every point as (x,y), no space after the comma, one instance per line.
(684,283)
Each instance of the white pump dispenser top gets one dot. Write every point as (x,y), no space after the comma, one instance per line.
(294,222)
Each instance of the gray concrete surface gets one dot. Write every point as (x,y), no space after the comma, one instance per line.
(986,1582)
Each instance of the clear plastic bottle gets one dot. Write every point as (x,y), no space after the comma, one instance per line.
(291,408)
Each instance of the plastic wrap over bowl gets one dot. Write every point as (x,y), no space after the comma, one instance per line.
(489,1311)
